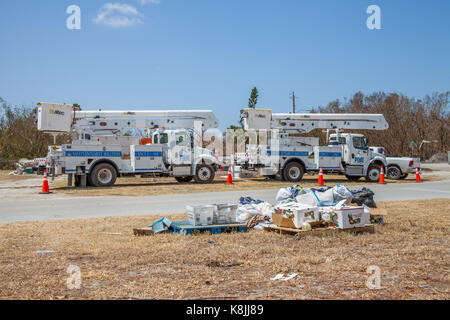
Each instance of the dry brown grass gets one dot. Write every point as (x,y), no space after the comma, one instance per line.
(4,176)
(146,187)
(411,250)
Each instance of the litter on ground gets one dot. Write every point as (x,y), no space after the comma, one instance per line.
(298,210)
(281,276)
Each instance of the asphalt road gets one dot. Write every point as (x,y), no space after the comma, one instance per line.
(50,207)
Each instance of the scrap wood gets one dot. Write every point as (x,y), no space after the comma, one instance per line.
(368,228)
(143,231)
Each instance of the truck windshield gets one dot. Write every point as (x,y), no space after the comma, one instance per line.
(360,143)
(163,138)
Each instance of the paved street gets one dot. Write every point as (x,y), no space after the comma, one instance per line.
(47,207)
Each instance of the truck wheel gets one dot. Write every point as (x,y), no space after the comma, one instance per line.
(184,179)
(204,174)
(352,178)
(393,172)
(103,175)
(373,173)
(293,172)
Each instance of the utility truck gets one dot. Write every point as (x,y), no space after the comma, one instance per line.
(110,144)
(289,155)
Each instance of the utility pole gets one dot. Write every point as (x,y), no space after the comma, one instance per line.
(293,102)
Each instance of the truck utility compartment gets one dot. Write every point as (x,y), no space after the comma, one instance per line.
(146,158)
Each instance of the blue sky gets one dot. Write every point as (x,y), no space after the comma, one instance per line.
(209,54)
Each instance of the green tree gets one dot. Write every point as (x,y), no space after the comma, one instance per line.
(19,137)
(253,98)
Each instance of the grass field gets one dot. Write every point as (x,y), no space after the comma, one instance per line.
(5,176)
(146,187)
(411,250)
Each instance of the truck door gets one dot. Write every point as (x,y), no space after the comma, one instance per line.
(358,150)
(182,152)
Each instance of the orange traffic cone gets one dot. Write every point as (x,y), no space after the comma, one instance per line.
(381,181)
(418,179)
(229,177)
(321,177)
(45,187)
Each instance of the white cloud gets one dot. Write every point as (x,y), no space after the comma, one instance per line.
(144,2)
(118,15)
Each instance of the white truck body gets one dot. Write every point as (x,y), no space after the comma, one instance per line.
(347,153)
(107,144)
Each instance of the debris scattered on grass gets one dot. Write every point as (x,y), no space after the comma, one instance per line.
(281,276)
(45,251)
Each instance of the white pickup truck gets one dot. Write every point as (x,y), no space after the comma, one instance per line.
(398,167)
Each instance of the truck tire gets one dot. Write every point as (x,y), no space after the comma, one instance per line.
(393,172)
(103,175)
(293,172)
(204,173)
(352,178)
(184,179)
(373,173)
(403,177)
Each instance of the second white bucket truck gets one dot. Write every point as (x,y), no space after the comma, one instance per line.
(290,155)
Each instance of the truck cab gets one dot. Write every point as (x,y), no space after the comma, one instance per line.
(357,158)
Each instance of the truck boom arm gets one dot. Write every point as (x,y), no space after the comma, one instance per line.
(303,123)
(64,118)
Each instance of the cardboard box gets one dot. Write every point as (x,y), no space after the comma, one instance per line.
(345,217)
(297,215)
(161,225)
(279,220)
(377,219)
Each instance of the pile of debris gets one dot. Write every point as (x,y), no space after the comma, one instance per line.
(22,166)
(297,208)
(439,158)
(305,208)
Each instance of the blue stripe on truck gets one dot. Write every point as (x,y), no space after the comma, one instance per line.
(330,154)
(290,153)
(94,154)
(148,154)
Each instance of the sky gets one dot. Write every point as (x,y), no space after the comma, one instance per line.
(209,54)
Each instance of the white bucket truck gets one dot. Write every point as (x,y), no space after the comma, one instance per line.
(110,144)
(290,155)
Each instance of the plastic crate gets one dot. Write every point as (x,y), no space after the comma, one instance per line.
(224,213)
(200,215)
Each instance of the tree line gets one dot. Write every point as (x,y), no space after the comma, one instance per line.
(19,137)
(410,120)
